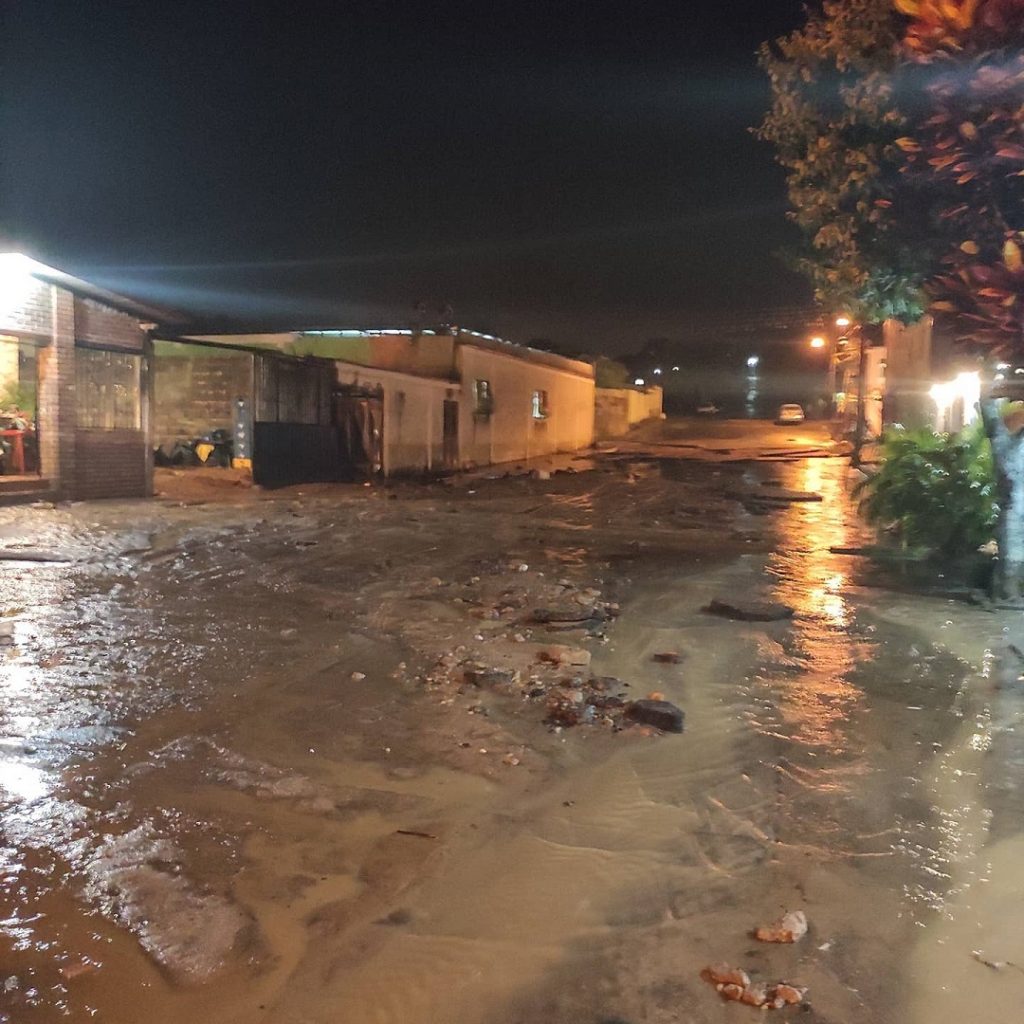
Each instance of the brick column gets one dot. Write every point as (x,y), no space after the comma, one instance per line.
(56,398)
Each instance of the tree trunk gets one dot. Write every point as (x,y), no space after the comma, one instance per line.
(1008,459)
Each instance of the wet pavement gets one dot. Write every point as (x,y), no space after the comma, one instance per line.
(243,778)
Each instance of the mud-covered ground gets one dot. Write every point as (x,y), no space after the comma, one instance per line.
(296,757)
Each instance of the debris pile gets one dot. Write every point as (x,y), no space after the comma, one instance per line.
(734,985)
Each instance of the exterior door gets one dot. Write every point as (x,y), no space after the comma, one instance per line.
(451,434)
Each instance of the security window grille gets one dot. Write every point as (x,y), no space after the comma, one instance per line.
(540,405)
(108,390)
(483,398)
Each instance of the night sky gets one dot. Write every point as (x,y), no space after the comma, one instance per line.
(580,172)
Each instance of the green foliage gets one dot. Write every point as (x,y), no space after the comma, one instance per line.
(834,122)
(18,395)
(966,144)
(609,373)
(935,491)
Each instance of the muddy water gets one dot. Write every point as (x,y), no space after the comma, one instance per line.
(206,813)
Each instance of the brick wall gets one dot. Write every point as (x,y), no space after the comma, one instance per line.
(196,394)
(28,309)
(111,464)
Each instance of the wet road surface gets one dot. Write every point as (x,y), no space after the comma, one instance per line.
(236,783)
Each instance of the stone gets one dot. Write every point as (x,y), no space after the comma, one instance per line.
(565,613)
(791,927)
(488,678)
(668,657)
(658,713)
(749,611)
(558,654)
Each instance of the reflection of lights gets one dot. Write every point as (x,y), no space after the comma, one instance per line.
(1000,376)
(22,781)
(752,362)
(817,342)
(1019,370)
(639,382)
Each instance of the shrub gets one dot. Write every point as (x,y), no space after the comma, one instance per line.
(934,491)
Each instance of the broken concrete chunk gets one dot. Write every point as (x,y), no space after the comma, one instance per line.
(791,927)
(658,713)
(723,974)
(749,611)
(489,678)
(558,654)
(565,613)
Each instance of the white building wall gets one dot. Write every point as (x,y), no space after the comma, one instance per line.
(510,432)
(413,416)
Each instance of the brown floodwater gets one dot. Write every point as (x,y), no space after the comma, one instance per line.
(228,794)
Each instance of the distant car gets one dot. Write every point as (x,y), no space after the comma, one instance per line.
(707,409)
(790,414)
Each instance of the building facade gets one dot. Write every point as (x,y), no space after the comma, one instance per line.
(74,379)
(439,400)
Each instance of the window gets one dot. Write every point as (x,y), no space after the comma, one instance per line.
(483,398)
(108,389)
(540,405)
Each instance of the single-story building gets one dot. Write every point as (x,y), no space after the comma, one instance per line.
(414,401)
(74,386)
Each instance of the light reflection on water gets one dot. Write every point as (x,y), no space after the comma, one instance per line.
(816,703)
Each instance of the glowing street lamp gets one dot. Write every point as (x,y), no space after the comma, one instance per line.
(752,362)
(843,321)
(818,341)
(639,382)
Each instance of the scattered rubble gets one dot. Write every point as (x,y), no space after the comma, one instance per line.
(791,927)
(734,985)
(749,611)
(558,654)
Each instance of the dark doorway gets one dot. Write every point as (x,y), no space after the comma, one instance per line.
(451,434)
(359,416)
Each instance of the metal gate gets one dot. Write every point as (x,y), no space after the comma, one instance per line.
(295,438)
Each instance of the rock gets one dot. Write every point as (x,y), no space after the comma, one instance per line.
(791,927)
(667,657)
(565,613)
(723,974)
(557,654)
(786,994)
(289,634)
(658,713)
(489,678)
(749,611)
(357,677)
(541,474)
(510,759)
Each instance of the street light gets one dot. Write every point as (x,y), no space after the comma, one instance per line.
(843,321)
(752,362)
(818,341)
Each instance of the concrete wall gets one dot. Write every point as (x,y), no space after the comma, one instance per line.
(510,432)
(194,390)
(617,410)
(413,416)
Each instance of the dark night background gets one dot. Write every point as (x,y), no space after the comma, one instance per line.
(576,172)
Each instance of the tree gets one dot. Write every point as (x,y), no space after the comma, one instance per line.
(969,141)
(834,121)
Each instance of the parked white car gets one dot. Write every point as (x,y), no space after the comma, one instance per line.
(790,414)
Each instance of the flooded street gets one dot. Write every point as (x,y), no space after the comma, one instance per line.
(246,774)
